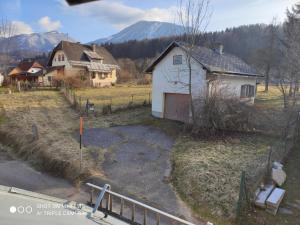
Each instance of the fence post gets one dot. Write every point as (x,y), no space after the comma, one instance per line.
(241,197)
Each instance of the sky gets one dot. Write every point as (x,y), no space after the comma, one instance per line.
(99,19)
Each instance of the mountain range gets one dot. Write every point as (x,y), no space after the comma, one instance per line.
(35,42)
(143,30)
(45,42)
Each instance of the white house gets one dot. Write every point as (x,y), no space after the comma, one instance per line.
(90,62)
(170,71)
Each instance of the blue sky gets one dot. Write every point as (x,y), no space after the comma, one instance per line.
(98,19)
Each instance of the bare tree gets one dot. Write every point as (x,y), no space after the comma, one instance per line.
(7,30)
(270,51)
(291,54)
(194,16)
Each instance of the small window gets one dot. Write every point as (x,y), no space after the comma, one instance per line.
(177,59)
(59,59)
(49,78)
(62,57)
(247,91)
(93,75)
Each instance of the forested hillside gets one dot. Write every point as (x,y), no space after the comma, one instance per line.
(247,42)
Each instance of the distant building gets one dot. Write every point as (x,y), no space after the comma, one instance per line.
(90,62)
(170,79)
(1,79)
(27,70)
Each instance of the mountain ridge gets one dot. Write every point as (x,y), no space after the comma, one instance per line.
(38,42)
(142,30)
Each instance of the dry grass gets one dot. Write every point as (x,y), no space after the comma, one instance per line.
(119,95)
(207,173)
(56,150)
(272,99)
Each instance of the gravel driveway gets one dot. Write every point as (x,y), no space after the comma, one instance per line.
(138,161)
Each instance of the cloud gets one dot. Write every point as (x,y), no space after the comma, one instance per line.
(48,25)
(118,14)
(20,27)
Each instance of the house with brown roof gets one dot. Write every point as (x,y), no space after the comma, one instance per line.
(27,70)
(89,62)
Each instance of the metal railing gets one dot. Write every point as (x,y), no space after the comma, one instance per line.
(108,208)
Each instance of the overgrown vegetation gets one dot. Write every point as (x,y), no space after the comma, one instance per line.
(207,169)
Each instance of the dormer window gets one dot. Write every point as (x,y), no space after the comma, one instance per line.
(177,59)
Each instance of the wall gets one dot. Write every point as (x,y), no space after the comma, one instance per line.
(70,70)
(110,79)
(1,79)
(169,78)
(51,74)
(232,86)
(55,61)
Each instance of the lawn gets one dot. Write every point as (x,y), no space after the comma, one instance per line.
(117,96)
(206,172)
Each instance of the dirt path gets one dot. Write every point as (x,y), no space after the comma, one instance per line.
(137,160)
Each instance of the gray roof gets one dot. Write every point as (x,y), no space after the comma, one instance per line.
(211,60)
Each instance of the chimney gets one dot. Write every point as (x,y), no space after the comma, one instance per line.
(94,47)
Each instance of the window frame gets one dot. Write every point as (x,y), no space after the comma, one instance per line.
(175,60)
(247,91)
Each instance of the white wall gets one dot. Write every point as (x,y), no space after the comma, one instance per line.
(34,70)
(55,61)
(165,76)
(232,85)
(1,79)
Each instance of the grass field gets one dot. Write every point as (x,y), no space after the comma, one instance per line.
(206,173)
(120,95)
(269,100)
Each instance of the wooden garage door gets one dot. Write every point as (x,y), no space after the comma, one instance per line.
(177,107)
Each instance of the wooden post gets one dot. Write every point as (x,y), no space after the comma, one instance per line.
(80,105)
(80,139)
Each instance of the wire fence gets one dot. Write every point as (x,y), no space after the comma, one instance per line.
(101,105)
(252,179)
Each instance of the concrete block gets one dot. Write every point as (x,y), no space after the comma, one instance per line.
(263,195)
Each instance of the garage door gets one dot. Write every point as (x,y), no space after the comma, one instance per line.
(177,107)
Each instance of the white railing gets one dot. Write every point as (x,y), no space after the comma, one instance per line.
(133,203)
